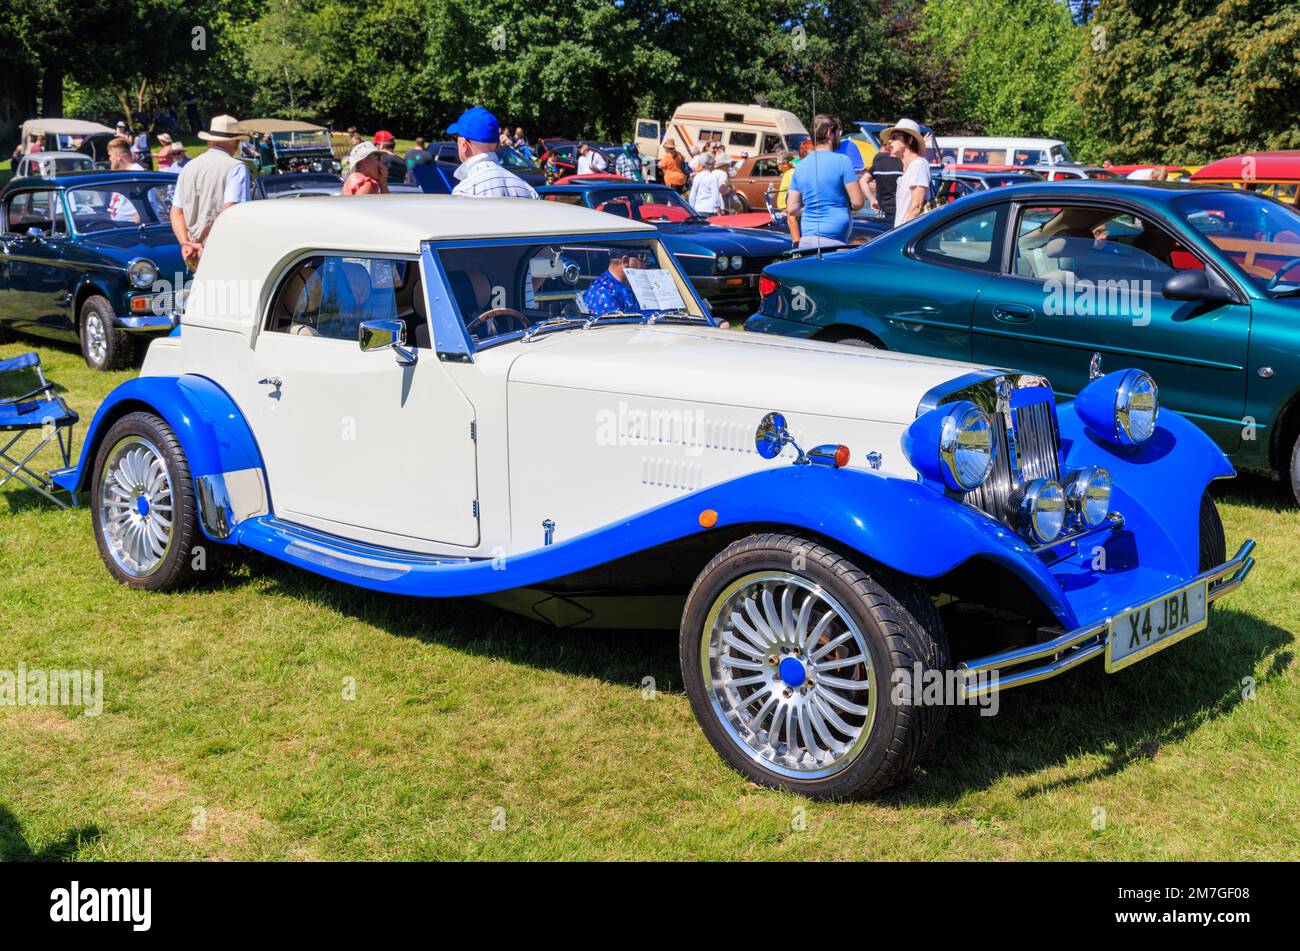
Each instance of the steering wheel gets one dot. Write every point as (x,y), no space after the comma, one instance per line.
(1277,276)
(515,315)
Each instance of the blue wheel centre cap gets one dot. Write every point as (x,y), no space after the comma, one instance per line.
(792,672)
(142,505)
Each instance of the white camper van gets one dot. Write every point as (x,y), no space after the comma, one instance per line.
(1003,150)
(743,130)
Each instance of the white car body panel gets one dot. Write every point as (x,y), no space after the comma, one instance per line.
(582,427)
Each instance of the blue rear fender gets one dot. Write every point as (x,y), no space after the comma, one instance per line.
(210,427)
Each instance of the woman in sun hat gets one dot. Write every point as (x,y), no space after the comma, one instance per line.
(163,159)
(907,144)
(368,175)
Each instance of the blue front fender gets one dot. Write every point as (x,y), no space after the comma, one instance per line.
(211,429)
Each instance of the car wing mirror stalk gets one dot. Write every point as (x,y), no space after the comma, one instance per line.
(386,335)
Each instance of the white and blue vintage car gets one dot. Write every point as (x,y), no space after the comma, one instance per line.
(410,394)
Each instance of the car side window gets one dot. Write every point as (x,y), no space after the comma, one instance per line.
(28,210)
(972,241)
(330,296)
(1094,244)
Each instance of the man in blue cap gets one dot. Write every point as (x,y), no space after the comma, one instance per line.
(480,175)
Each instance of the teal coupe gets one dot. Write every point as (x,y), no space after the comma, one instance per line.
(1199,287)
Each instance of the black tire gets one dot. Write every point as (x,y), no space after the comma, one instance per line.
(1214,548)
(182,558)
(103,345)
(896,620)
(1295,469)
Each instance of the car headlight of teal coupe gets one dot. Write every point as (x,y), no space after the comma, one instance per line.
(952,444)
(1122,406)
(142,273)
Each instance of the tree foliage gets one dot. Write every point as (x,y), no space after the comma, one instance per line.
(1014,64)
(1191,80)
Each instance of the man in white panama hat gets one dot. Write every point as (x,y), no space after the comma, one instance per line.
(209,185)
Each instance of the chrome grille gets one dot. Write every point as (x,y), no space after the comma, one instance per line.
(991,496)
(1037,443)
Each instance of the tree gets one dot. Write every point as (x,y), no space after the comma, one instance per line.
(1191,80)
(1014,62)
(284,61)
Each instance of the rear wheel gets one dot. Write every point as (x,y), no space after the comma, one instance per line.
(790,654)
(104,346)
(143,507)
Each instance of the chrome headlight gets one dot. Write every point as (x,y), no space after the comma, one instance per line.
(737,262)
(1137,405)
(142,273)
(721,262)
(1087,496)
(1121,406)
(1039,508)
(966,447)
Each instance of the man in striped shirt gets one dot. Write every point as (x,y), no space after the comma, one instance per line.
(480,174)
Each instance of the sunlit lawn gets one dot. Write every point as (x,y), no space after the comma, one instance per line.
(226,733)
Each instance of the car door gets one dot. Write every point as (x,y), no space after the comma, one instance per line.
(355,443)
(1087,277)
(930,301)
(36,293)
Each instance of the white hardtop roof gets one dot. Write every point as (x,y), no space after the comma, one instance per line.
(63,127)
(399,223)
(254,240)
(996,141)
(752,109)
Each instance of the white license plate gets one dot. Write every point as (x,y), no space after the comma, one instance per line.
(1139,633)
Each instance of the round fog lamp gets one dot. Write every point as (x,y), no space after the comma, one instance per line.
(1041,508)
(1087,495)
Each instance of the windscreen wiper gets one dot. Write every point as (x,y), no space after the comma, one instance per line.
(551,323)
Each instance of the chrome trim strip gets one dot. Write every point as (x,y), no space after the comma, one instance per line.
(1073,648)
(228,498)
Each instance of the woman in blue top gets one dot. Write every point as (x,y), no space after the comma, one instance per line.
(824,191)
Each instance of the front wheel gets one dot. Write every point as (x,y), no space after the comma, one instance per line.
(790,655)
(104,346)
(143,506)
(1295,469)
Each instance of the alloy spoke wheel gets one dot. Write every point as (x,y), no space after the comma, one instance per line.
(136,506)
(96,338)
(789,674)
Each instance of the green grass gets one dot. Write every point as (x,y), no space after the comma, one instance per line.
(229,699)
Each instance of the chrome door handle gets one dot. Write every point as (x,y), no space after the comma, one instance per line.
(274,381)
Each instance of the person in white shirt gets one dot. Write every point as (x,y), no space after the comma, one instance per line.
(913,191)
(709,188)
(590,161)
(480,174)
(120,158)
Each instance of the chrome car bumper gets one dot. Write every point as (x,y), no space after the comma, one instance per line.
(1014,668)
(147,323)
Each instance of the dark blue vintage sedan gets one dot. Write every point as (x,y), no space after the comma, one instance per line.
(90,258)
(722,263)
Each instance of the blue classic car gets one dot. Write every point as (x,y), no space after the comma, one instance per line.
(722,263)
(90,258)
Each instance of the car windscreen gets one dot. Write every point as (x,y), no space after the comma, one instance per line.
(1260,236)
(119,204)
(301,140)
(500,292)
(655,205)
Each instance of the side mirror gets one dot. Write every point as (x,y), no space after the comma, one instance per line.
(386,335)
(1193,285)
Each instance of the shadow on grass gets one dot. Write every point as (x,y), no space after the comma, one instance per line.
(14,846)
(1255,491)
(1119,718)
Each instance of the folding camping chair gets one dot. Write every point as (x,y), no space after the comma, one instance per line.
(36,411)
